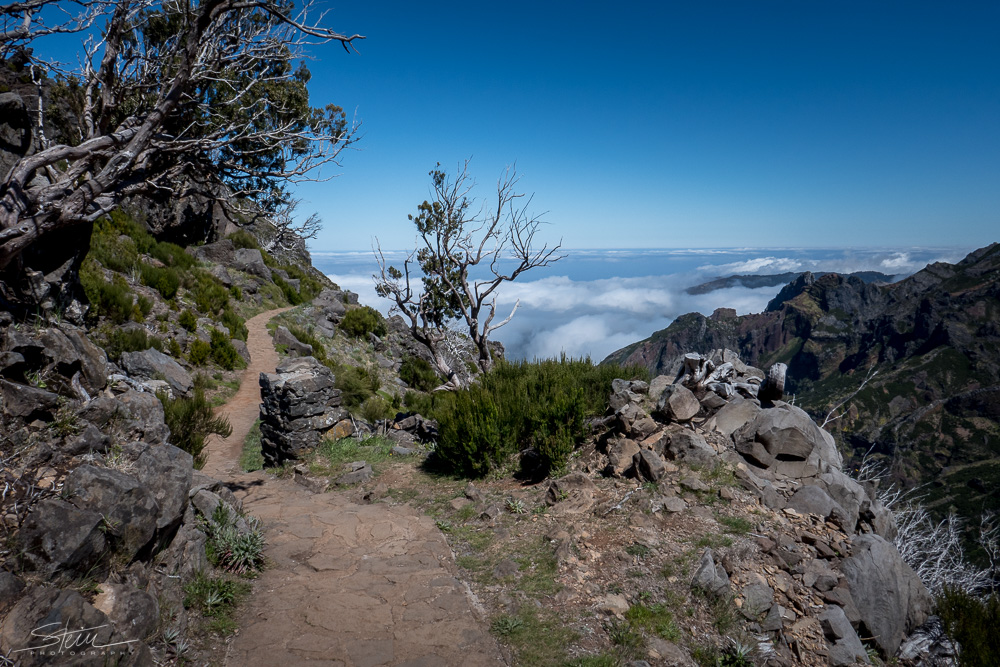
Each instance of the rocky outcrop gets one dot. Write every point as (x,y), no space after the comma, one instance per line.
(299,404)
(152,364)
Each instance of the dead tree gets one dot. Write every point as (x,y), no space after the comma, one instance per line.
(171,91)
(497,243)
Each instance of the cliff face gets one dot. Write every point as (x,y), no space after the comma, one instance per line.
(933,339)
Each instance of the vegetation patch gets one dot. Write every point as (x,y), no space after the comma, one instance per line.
(190,421)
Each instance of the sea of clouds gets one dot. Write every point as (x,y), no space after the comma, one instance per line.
(593,302)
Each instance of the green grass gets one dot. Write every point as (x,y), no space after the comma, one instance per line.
(735,525)
(251,458)
(216,599)
(537,637)
(655,618)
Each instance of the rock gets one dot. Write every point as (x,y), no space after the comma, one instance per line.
(890,597)
(614,604)
(773,388)
(282,336)
(10,589)
(733,416)
(814,500)
(841,597)
(648,465)
(128,511)
(57,537)
(620,454)
(711,578)
(59,353)
(678,403)
(572,494)
(773,621)
(166,473)
(686,445)
(152,364)
(356,476)
(476,496)
(403,451)
(249,260)
(221,252)
(64,609)
(185,556)
(670,654)
(798,446)
(241,349)
(928,646)
(845,646)
(90,441)
(299,403)
(692,483)
(29,403)
(673,504)
(757,598)
(135,613)
(656,387)
(506,568)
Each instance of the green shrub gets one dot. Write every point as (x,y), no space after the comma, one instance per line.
(236,324)
(419,374)
(242,239)
(291,295)
(164,280)
(120,341)
(188,320)
(143,306)
(309,285)
(199,352)
(359,322)
(309,338)
(174,348)
(120,222)
(172,255)
(542,405)
(111,246)
(113,300)
(209,294)
(223,352)
(375,408)
(353,385)
(190,421)
(972,622)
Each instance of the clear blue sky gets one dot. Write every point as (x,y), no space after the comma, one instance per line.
(668,124)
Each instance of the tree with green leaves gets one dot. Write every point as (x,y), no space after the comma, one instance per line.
(171,97)
(497,243)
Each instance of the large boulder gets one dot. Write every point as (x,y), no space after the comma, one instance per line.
(136,415)
(152,364)
(844,644)
(686,445)
(677,403)
(166,473)
(299,403)
(785,440)
(572,494)
(891,599)
(733,416)
(57,538)
(127,509)
(249,260)
(62,354)
(221,252)
(282,336)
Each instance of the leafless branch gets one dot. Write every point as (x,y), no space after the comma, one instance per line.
(831,416)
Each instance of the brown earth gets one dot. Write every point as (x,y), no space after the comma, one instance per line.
(348,584)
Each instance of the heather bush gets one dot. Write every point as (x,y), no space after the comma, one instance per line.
(419,374)
(359,322)
(223,352)
(973,623)
(190,421)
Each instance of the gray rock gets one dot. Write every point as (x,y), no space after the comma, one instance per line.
(572,494)
(733,416)
(690,446)
(57,537)
(127,509)
(928,646)
(673,504)
(648,465)
(249,260)
(29,403)
(166,472)
(241,349)
(797,447)
(620,453)
(889,595)
(10,590)
(773,622)
(757,598)
(845,646)
(185,556)
(506,568)
(671,655)
(134,613)
(90,440)
(678,403)
(136,415)
(282,336)
(657,385)
(152,364)
(814,500)
(709,577)
(221,252)
(356,476)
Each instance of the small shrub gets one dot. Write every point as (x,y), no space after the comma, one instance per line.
(209,294)
(419,374)
(172,255)
(143,306)
(309,338)
(236,324)
(112,300)
(291,295)
(199,352)
(164,280)
(972,622)
(223,352)
(120,341)
(353,385)
(242,239)
(375,408)
(174,348)
(359,322)
(188,320)
(190,421)
(252,458)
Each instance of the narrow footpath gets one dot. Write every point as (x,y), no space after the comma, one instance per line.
(347,584)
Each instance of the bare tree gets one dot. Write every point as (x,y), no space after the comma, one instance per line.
(171,92)
(451,243)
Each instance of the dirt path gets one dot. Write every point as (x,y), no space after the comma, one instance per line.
(243,408)
(349,585)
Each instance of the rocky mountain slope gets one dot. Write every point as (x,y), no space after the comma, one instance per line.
(772,280)
(931,341)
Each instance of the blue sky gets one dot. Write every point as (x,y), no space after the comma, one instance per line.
(674,124)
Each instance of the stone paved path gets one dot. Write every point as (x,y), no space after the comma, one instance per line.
(350,585)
